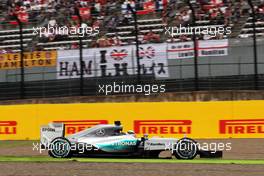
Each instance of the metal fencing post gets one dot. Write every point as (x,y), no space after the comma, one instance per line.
(80,54)
(254,45)
(22,70)
(196,71)
(134,14)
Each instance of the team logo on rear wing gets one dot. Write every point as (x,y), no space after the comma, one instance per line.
(74,126)
(162,126)
(8,127)
(244,126)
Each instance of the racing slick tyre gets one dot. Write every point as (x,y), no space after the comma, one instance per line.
(186,148)
(60,148)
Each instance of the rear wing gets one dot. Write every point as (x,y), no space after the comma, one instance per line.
(50,132)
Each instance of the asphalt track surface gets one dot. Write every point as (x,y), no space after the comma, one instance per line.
(242,149)
(127,169)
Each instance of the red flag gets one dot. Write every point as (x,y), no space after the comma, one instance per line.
(23,17)
(13,22)
(149,7)
(74,17)
(216,2)
(85,12)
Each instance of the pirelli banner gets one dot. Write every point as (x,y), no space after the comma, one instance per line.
(31,59)
(238,119)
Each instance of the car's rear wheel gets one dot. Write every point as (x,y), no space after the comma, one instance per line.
(186,148)
(60,148)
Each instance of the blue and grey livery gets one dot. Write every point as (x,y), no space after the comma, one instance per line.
(109,140)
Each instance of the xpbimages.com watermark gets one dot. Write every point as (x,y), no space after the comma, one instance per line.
(205,30)
(65,30)
(204,146)
(147,89)
(81,148)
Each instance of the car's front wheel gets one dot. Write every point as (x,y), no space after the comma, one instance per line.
(186,148)
(60,148)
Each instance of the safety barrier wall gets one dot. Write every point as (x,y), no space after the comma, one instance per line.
(223,119)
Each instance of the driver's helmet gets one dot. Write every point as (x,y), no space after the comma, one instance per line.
(118,132)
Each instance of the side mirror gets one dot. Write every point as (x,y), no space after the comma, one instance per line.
(130,132)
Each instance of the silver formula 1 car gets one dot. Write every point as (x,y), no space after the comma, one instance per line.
(110,141)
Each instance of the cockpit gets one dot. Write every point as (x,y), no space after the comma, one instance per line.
(103,130)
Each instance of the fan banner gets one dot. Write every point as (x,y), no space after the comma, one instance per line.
(113,61)
(31,59)
(180,50)
(213,47)
(153,60)
(68,64)
(122,60)
(184,50)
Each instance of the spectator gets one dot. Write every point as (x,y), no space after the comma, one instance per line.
(97,7)
(116,41)
(103,42)
(112,24)
(74,45)
(184,38)
(151,37)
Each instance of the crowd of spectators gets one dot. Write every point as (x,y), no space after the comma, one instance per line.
(209,12)
(260,10)
(108,14)
(65,11)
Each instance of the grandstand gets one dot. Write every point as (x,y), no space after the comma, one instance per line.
(117,29)
(40,13)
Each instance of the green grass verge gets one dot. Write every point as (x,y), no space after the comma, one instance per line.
(114,160)
(12,144)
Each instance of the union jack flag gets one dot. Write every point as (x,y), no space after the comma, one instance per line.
(149,52)
(119,55)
